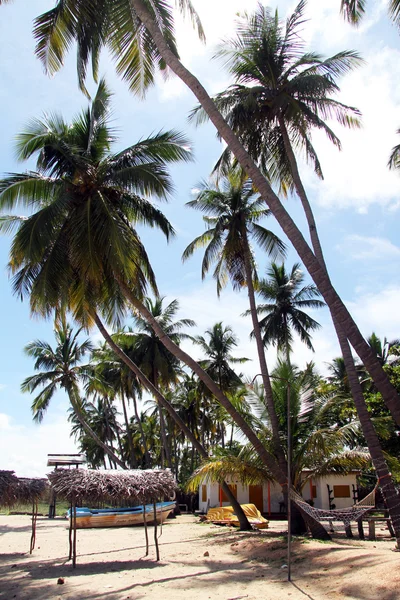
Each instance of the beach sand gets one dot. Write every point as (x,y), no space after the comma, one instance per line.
(197,561)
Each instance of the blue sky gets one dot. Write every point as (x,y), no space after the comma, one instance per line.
(356,206)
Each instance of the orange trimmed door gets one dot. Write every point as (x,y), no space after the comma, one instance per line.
(256,496)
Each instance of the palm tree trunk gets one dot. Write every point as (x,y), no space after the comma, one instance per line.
(89,430)
(244,524)
(147,458)
(261,355)
(132,457)
(317,272)
(388,489)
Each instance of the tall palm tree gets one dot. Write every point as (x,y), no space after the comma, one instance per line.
(233,213)
(217,346)
(61,367)
(286,93)
(80,250)
(158,364)
(141,38)
(286,298)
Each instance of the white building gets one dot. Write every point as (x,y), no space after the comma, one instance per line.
(331,491)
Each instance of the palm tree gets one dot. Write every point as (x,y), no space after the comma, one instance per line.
(354,10)
(217,348)
(142,40)
(287,297)
(233,212)
(158,364)
(61,368)
(383,348)
(79,250)
(265,60)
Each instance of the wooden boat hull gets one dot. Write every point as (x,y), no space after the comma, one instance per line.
(122,518)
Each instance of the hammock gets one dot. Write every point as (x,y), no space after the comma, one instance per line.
(352,513)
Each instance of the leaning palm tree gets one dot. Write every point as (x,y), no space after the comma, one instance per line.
(233,213)
(141,38)
(80,249)
(286,93)
(286,298)
(61,368)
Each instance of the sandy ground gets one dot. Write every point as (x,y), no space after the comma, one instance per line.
(197,561)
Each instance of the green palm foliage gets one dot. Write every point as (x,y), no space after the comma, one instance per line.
(60,368)
(95,24)
(286,300)
(354,10)
(232,212)
(85,202)
(318,447)
(280,89)
(218,348)
(160,366)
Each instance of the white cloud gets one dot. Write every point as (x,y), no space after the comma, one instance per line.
(24,448)
(378,311)
(361,247)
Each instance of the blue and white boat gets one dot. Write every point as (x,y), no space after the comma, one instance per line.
(121,517)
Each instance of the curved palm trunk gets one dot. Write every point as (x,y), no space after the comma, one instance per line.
(317,530)
(261,355)
(388,489)
(243,521)
(89,430)
(132,457)
(316,270)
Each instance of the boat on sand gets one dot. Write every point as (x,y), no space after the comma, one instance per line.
(121,517)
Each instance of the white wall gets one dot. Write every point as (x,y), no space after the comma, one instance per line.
(321,501)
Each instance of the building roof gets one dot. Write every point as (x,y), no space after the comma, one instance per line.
(54,460)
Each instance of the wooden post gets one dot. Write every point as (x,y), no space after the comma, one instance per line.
(155,531)
(74,538)
(371,529)
(34,519)
(360,529)
(70,531)
(145,529)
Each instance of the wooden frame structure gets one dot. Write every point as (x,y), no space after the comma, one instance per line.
(133,486)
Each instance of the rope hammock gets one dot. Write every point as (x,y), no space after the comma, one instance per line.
(352,513)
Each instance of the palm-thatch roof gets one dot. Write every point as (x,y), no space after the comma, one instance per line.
(24,490)
(136,486)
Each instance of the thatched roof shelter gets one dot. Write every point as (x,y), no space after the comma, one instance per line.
(135,486)
(20,490)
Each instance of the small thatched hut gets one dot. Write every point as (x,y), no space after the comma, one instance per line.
(89,486)
(22,490)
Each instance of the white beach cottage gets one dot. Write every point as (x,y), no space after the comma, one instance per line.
(331,491)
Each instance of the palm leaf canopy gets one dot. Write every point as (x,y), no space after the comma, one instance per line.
(232,212)
(114,24)
(286,298)
(80,239)
(354,10)
(277,81)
